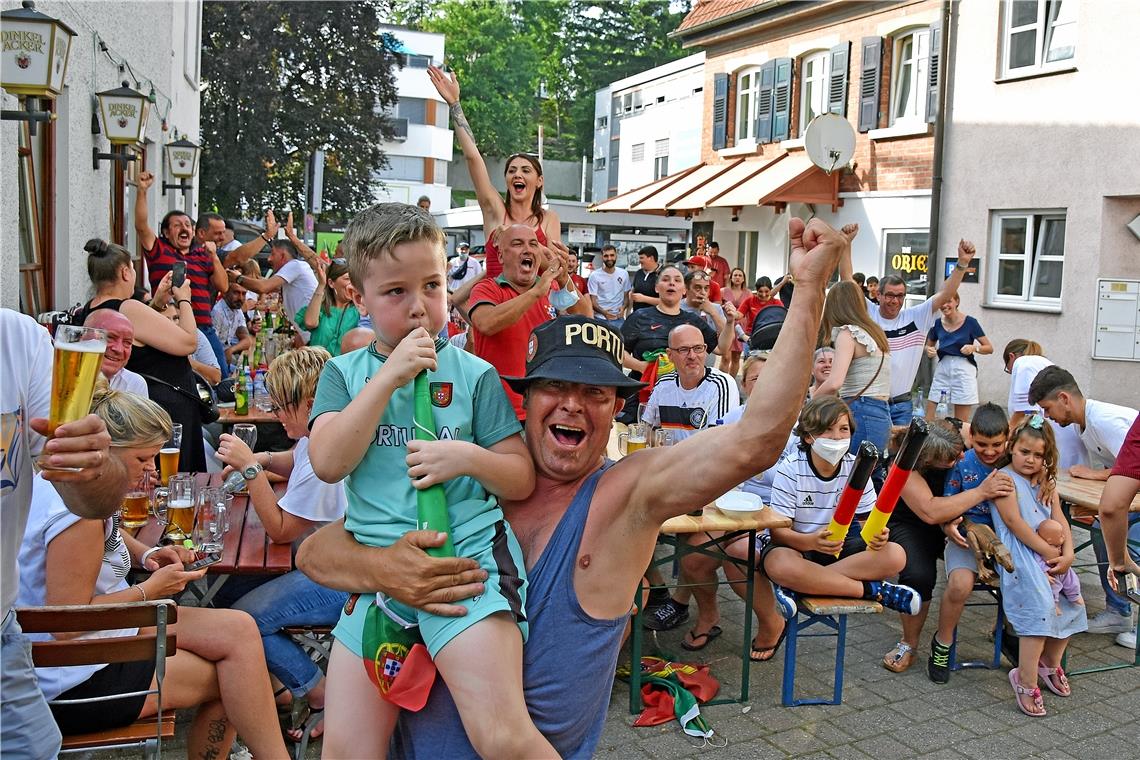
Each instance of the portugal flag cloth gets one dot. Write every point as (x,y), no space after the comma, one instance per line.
(672,690)
(396,660)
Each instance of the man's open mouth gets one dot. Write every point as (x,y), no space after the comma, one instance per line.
(567,435)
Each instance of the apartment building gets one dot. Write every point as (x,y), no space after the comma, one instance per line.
(419,154)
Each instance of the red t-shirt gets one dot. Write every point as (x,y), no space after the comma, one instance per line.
(506,350)
(720,270)
(753,306)
(199,267)
(491,261)
(714,291)
(579,283)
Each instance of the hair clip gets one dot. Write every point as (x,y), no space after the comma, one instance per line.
(1036,421)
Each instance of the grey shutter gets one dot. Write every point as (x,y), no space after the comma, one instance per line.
(870,77)
(837,79)
(934,75)
(720,111)
(782,100)
(765,98)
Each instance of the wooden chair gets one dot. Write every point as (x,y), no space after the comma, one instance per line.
(158,643)
(831,613)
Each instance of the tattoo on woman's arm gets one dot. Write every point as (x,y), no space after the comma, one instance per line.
(460,120)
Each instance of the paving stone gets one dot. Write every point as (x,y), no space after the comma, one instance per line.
(932,735)
(884,748)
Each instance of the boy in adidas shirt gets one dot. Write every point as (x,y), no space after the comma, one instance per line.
(806,487)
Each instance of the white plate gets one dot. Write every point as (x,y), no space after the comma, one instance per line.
(739,501)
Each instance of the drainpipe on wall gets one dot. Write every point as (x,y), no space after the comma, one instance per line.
(946,74)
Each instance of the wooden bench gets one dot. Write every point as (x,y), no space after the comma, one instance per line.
(155,640)
(829,612)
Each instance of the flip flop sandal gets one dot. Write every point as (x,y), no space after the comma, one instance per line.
(304,718)
(1060,686)
(708,637)
(900,658)
(1034,694)
(757,653)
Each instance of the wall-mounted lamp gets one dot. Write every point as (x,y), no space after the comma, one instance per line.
(736,213)
(181,163)
(123,112)
(35,53)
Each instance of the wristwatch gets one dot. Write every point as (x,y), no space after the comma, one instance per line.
(249,473)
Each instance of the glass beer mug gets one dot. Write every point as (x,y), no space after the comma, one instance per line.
(635,439)
(175,505)
(136,502)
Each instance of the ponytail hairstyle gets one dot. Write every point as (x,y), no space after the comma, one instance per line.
(1034,426)
(293,375)
(104,260)
(1021,347)
(133,421)
(328,300)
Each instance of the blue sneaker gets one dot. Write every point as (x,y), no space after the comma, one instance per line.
(895,596)
(785,603)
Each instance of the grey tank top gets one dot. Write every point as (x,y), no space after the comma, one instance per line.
(568,661)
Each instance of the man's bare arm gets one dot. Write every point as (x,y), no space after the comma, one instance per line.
(966,252)
(332,557)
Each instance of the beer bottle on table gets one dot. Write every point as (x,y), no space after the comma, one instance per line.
(241,393)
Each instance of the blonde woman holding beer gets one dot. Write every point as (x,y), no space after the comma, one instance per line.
(66,560)
(161,347)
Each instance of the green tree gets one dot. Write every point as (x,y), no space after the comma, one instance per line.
(497,64)
(283,79)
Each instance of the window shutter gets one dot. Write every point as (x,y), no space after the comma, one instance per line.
(870,76)
(837,79)
(765,98)
(782,109)
(720,111)
(934,76)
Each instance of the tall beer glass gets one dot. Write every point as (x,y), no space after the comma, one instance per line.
(183,502)
(168,454)
(78,357)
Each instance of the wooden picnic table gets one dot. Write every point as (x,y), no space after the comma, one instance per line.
(228,417)
(675,533)
(1086,494)
(246,550)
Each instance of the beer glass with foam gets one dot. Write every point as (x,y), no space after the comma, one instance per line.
(182,504)
(635,439)
(75,367)
(168,455)
(136,503)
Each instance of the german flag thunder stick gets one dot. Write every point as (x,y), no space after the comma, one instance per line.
(896,476)
(865,461)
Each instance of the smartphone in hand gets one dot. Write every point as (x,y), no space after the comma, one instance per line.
(178,274)
(1128,585)
(201,562)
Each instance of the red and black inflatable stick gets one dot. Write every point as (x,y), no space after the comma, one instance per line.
(865,462)
(896,476)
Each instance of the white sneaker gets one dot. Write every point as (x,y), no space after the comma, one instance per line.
(1127,639)
(1110,621)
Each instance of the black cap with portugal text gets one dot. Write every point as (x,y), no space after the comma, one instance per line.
(576,350)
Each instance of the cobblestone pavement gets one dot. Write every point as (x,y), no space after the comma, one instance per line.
(886,715)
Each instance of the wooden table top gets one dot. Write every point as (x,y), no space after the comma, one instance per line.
(1086,493)
(246,549)
(226,416)
(715,519)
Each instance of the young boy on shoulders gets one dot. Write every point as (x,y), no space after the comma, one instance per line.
(989,429)
(807,486)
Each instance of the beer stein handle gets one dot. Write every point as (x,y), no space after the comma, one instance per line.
(159,506)
(623,440)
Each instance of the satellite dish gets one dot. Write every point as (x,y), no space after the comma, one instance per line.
(829,141)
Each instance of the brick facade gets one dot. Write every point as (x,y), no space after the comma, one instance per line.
(900,163)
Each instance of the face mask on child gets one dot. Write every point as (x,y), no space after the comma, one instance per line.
(831,449)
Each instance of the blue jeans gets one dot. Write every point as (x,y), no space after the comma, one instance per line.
(902,412)
(291,599)
(216,344)
(872,420)
(1113,600)
(29,728)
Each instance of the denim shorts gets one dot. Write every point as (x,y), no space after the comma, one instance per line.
(29,730)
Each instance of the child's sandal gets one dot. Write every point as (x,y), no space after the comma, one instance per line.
(900,658)
(1020,691)
(1055,679)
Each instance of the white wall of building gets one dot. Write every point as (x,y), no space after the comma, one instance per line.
(162,43)
(1065,141)
(424,141)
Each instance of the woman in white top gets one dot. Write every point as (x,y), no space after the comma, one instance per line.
(861,367)
(66,560)
(307,504)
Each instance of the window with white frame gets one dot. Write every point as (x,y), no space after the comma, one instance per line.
(1038,35)
(909,76)
(638,153)
(600,163)
(661,158)
(814,71)
(747,91)
(1030,255)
